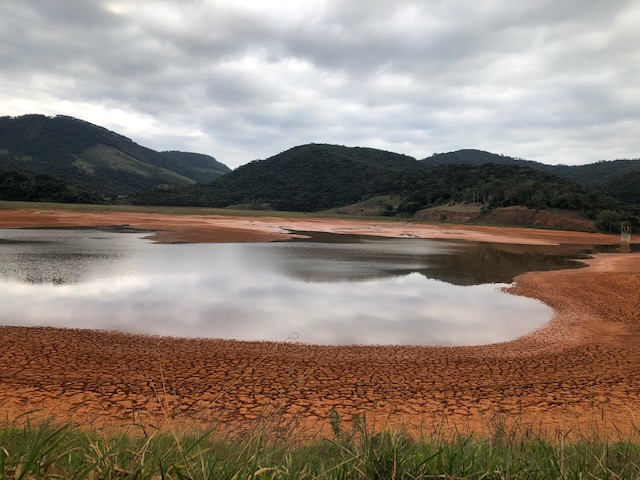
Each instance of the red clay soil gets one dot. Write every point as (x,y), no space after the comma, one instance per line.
(514,215)
(579,372)
(216,228)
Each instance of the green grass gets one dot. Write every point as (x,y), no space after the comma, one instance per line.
(44,450)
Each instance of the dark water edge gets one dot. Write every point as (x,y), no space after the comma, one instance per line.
(458,262)
(472,262)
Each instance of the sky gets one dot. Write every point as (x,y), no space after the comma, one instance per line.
(546,80)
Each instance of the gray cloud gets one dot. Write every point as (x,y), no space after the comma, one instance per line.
(545,80)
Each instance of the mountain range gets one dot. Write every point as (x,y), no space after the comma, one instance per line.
(65,159)
(354,180)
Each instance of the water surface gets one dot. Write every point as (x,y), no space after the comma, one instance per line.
(350,290)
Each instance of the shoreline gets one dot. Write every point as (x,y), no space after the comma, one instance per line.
(197,228)
(578,371)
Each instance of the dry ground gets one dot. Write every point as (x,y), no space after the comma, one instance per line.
(579,372)
(211,228)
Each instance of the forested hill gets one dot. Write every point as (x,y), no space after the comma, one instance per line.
(93,158)
(318,177)
(624,187)
(480,157)
(69,160)
(612,177)
(197,166)
(305,178)
(31,187)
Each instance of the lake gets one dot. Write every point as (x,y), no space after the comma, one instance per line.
(331,289)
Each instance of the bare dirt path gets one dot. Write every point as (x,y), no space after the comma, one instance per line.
(579,372)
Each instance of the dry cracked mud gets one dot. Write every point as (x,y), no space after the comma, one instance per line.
(579,373)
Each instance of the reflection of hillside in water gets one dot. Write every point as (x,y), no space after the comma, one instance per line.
(56,268)
(352,258)
(497,263)
(455,262)
(75,256)
(61,257)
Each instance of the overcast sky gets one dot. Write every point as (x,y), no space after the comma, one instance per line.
(556,81)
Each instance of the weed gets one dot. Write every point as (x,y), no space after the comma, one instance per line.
(336,423)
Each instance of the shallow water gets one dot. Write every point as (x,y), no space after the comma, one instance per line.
(350,290)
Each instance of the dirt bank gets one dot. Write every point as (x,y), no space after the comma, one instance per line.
(514,215)
(212,228)
(578,371)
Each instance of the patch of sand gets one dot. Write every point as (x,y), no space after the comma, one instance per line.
(579,372)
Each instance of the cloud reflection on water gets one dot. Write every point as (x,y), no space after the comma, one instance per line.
(238,291)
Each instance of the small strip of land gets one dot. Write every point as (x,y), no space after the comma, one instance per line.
(578,373)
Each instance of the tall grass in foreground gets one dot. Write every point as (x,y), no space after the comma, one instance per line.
(48,451)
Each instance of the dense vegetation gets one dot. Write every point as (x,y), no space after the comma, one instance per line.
(306,178)
(48,452)
(197,166)
(599,173)
(610,177)
(95,158)
(503,186)
(479,157)
(625,187)
(317,177)
(86,163)
(31,187)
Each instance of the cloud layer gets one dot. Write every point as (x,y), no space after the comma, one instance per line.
(540,79)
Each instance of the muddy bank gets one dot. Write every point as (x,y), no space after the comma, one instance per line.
(211,228)
(578,372)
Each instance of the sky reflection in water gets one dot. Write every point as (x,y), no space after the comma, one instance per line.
(371,292)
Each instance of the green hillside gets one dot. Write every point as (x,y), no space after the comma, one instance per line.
(496,186)
(93,158)
(305,178)
(65,159)
(601,173)
(196,166)
(31,187)
(625,187)
(318,177)
(479,157)
(606,176)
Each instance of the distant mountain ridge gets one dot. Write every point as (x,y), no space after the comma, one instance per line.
(616,178)
(478,157)
(69,160)
(317,177)
(94,158)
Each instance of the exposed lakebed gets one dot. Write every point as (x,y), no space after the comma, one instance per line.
(331,289)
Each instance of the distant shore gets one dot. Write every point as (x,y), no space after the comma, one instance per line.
(578,372)
(195,227)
